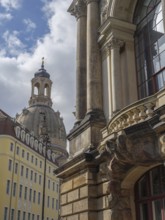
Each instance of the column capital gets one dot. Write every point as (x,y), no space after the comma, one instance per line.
(79,9)
(89,1)
(115,43)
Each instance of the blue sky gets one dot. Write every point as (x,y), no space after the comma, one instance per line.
(30,30)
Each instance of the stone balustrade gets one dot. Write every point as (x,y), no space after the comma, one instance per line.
(133,114)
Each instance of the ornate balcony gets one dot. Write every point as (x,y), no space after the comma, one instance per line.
(135,113)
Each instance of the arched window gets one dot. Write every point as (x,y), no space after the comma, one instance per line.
(46,90)
(36,89)
(149,47)
(150,195)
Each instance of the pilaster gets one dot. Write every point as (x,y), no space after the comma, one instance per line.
(116,85)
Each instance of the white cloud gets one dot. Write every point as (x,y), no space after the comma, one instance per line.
(10,4)
(5,17)
(14,46)
(30,25)
(58,48)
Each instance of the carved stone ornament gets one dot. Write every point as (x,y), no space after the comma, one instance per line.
(116,43)
(79,9)
(123,153)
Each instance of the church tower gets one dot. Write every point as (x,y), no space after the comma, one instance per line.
(40,104)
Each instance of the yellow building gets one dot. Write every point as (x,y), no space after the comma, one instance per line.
(22,172)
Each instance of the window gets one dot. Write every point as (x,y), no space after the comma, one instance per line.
(149,47)
(52,203)
(20,191)
(23,153)
(25,194)
(22,169)
(40,179)
(29,215)
(27,172)
(19,215)
(5,213)
(40,164)
(30,195)
(36,162)
(150,195)
(48,184)
(32,158)
(53,186)
(8,187)
(56,204)
(48,201)
(35,177)
(17,150)
(49,169)
(10,165)
(33,216)
(27,156)
(38,217)
(57,188)
(11,146)
(14,189)
(16,168)
(34,196)
(31,175)
(39,197)
(12,214)
(24,215)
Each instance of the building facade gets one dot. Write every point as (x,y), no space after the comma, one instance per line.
(116,170)
(29,188)
(40,115)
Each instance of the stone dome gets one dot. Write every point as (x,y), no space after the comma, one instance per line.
(40,107)
(30,118)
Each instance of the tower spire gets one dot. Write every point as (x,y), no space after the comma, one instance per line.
(42,64)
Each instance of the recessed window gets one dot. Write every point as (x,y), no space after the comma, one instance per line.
(16,168)
(20,191)
(150,195)
(17,151)
(12,214)
(14,189)
(8,187)
(5,213)
(11,146)
(27,156)
(10,165)
(22,170)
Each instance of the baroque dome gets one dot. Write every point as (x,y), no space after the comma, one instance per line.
(40,104)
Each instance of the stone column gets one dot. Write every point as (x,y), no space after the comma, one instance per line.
(116,79)
(94,77)
(80,13)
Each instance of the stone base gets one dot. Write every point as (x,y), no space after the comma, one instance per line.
(87,133)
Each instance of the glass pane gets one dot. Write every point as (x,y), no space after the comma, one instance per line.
(144,212)
(161,44)
(162,59)
(159,81)
(157,210)
(156,64)
(143,187)
(155,182)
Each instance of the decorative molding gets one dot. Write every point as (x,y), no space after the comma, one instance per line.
(115,43)
(79,9)
(90,1)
